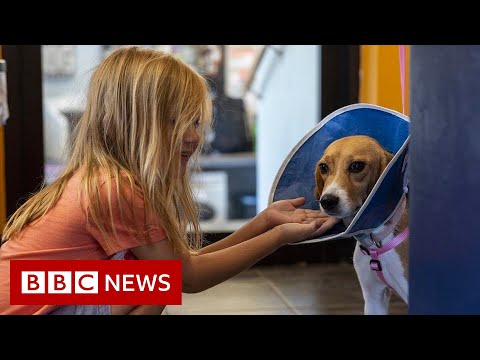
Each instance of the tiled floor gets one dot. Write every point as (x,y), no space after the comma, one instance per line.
(300,289)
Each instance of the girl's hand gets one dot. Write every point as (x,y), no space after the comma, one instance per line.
(293,232)
(287,211)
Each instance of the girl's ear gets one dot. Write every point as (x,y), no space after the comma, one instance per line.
(318,182)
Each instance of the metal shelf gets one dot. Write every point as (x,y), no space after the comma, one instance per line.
(226,161)
(227,226)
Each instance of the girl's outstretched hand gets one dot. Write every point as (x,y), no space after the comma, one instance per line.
(287,211)
(294,232)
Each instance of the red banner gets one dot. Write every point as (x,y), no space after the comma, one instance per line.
(96,282)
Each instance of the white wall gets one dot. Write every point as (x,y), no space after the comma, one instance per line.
(61,93)
(86,58)
(288,107)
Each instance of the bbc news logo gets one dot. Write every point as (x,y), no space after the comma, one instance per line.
(95,282)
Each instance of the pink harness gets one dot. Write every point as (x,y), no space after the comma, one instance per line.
(375,252)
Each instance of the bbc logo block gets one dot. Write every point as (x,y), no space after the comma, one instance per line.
(96,282)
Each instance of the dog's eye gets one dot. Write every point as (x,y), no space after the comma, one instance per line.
(356,166)
(323,168)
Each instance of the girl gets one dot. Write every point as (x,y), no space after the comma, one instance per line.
(125,192)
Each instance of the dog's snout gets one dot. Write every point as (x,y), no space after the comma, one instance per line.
(329,202)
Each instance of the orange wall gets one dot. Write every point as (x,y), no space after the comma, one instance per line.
(380,76)
(3,199)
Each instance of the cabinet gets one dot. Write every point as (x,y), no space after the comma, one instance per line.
(240,169)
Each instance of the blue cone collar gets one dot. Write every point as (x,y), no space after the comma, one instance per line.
(296,178)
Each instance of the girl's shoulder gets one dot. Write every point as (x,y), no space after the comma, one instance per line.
(116,194)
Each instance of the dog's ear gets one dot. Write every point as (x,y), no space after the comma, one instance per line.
(386,159)
(318,182)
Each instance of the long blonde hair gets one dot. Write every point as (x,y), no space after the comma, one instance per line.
(140,103)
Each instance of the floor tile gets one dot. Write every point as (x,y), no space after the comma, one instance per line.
(244,294)
(296,289)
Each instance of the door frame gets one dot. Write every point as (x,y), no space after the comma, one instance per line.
(24,158)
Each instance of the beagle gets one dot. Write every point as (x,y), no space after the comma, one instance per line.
(344,177)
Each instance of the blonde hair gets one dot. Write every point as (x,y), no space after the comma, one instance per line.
(140,103)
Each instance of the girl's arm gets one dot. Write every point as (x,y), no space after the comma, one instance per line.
(204,271)
(277,213)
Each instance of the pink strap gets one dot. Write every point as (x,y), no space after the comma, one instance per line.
(374,254)
(401,56)
(391,244)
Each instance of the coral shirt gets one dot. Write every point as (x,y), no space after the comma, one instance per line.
(63,234)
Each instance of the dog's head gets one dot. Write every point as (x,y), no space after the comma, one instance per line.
(347,172)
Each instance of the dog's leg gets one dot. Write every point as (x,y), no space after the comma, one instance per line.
(375,293)
(395,274)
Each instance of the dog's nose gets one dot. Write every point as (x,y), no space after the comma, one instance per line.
(329,202)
